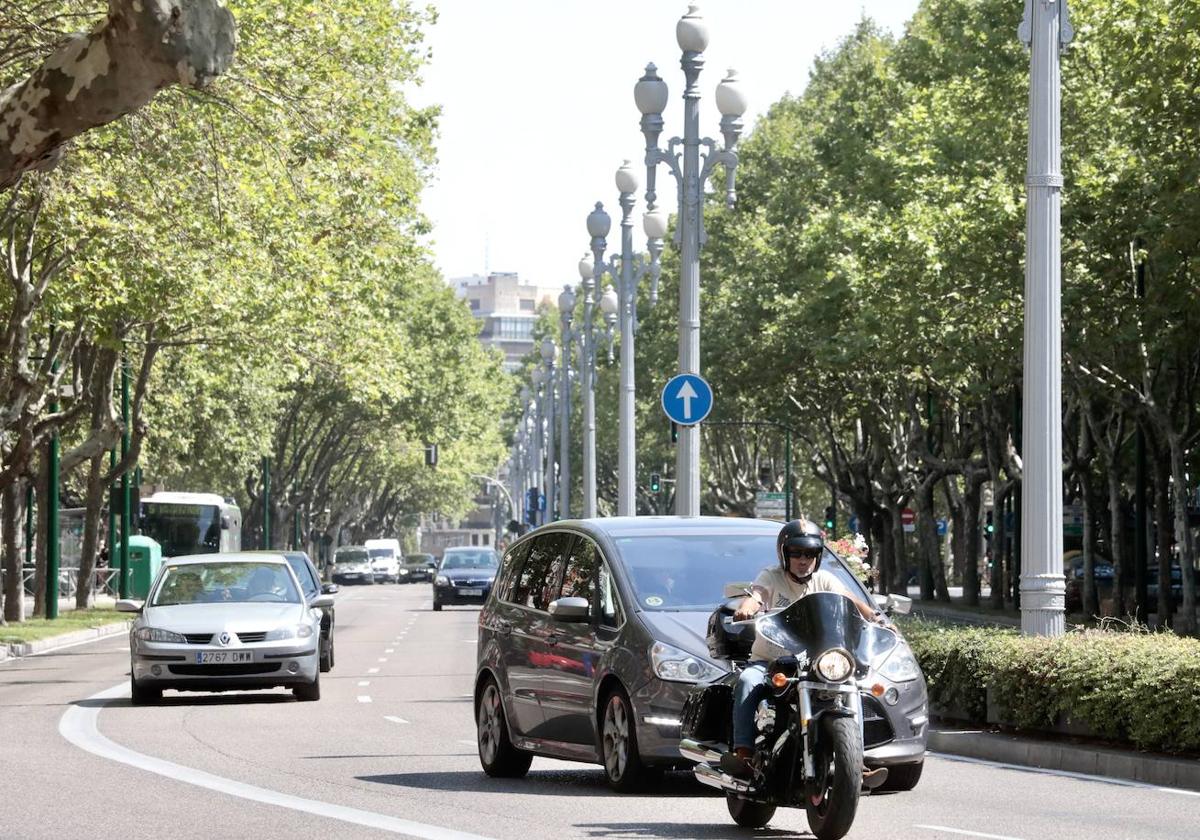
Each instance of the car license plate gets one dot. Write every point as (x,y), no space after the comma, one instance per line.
(470,592)
(223,657)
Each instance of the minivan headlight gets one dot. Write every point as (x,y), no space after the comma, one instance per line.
(900,665)
(675,665)
(157,634)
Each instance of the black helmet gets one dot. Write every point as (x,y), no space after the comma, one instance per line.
(799,534)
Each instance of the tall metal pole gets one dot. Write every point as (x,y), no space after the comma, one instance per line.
(588,387)
(788,513)
(535,461)
(52,535)
(123,581)
(1046,30)
(627,302)
(566,308)
(1141,530)
(266,502)
(548,350)
(113,519)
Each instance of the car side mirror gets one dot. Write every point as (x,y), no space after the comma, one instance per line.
(129,605)
(329,588)
(322,602)
(571,609)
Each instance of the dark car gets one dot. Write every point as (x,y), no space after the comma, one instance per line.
(465,576)
(1176,597)
(1103,573)
(418,567)
(310,583)
(597,631)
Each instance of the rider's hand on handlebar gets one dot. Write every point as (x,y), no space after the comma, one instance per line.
(747,609)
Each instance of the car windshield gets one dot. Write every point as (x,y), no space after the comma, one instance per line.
(482,559)
(214,583)
(381,552)
(354,555)
(419,558)
(689,573)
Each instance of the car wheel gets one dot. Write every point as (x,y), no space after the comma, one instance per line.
(327,658)
(903,776)
(497,755)
(618,742)
(309,691)
(143,695)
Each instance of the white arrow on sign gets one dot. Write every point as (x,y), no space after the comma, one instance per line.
(686,393)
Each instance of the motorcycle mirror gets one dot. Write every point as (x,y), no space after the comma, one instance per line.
(733,590)
(899,604)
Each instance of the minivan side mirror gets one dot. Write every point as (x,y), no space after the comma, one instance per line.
(571,609)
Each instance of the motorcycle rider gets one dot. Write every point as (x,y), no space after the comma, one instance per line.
(798,548)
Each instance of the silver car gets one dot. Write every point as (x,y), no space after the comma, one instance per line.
(597,630)
(217,622)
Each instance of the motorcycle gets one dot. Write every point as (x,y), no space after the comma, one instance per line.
(808,751)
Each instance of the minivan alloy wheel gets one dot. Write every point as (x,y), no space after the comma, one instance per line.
(489,724)
(616,737)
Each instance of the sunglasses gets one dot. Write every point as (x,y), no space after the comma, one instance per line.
(806,554)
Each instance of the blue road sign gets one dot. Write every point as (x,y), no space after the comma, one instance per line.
(941,527)
(687,399)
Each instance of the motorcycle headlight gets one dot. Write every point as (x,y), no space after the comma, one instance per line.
(441,580)
(900,665)
(155,634)
(675,665)
(834,666)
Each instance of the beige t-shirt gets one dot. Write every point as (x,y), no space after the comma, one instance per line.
(783,591)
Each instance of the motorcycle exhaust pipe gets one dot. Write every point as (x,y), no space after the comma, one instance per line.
(697,752)
(713,777)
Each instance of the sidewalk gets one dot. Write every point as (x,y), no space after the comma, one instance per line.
(9,650)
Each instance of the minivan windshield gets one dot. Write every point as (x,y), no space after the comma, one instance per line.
(353,555)
(686,573)
(382,552)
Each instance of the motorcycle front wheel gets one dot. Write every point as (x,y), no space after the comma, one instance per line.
(749,814)
(832,807)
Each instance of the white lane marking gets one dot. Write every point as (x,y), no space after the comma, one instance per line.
(469,743)
(389,650)
(1069,774)
(364,698)
(78,725)
(381,659)
(966,833)
(395,719)
(364,683)
(372,670)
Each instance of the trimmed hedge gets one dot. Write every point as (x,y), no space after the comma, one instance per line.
(1143,688)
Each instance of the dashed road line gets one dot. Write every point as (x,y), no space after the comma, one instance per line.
(394,719)
(364,698)
(966,833)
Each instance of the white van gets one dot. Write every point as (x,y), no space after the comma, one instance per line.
(385,560)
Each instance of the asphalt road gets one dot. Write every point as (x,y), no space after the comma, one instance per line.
(389,751)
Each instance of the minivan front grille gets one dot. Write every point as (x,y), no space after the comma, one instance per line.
(876,728)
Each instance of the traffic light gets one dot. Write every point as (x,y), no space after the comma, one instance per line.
(674,432)
(655,483)
(830,518)
(989,528)
(431,454)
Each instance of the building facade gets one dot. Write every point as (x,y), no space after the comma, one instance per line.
(506,309)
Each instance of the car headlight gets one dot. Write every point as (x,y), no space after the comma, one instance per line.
(156,634)
(834,666)
(675,665)
(441,580)
(900,665)
(404,571)
(300,631)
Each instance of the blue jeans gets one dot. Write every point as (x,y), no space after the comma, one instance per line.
(746,695)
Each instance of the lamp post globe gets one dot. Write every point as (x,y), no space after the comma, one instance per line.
(566,300)
(655,222)
(627,179)
(651,93)
(586,271)
(731,99)
(609,303)
(691,32)
(598,222)
(549,348)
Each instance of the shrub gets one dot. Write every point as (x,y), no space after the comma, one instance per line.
(1138,687)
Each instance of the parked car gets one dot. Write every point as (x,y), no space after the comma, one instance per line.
(385,559)
(352,564)
(597,630)
(218,622)
(1176,597)
(418,567)
(1103,573)
(465,576)
(310,584)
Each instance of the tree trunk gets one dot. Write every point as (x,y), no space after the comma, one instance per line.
(93,506)
(1116,542)
(1091,600)
(997,547)
(12,505)
(1162,527)
(43,512)
(973,504)
(1183,534)
(899,555)
(957,526)
(96,77)
(884,558)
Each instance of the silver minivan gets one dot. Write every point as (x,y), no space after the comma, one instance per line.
(596,631)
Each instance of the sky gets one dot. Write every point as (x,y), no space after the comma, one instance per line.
(538,112)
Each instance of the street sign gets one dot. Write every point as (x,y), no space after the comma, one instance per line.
(687,399)
(908,518)
(941,527)
(770,505)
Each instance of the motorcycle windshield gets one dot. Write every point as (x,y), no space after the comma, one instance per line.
(825,620)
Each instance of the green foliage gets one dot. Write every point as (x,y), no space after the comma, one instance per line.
(1138,687)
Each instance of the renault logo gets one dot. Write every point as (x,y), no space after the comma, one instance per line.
(223,639)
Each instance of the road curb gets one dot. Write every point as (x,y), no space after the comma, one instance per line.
(1127,765)
(15,650)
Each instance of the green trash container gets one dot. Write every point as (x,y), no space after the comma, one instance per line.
(145,558)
